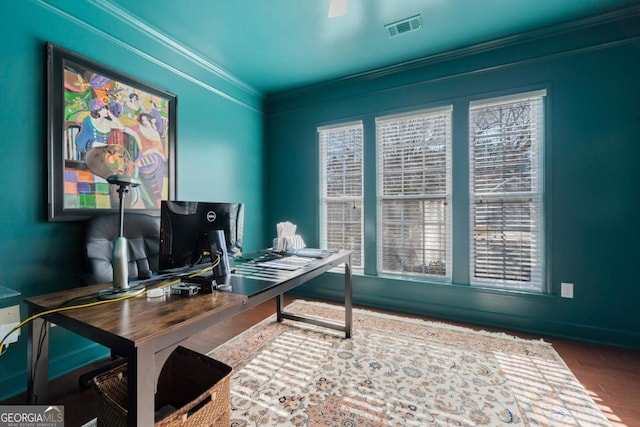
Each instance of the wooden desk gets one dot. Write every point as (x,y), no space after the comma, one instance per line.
(147,330)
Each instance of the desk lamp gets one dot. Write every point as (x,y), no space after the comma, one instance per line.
(120,257)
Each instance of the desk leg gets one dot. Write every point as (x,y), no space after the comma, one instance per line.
(348,299)
(141,383)
(348,307)
(279,307)
(38,361)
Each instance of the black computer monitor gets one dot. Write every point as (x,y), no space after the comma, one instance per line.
(186,237)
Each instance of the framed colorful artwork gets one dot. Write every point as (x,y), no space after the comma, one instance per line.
(100,123)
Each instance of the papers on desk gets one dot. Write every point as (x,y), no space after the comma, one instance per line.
(311,252)
(271,267)
(286,263)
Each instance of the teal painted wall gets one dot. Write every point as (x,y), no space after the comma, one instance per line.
(592,150)
(219,150)
(591,173)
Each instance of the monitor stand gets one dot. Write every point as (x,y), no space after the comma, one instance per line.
(208,283)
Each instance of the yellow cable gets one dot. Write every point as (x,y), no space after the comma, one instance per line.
(59,309)
(92,304)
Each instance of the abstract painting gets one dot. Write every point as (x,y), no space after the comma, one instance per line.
(100,123)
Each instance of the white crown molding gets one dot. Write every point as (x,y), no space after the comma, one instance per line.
(136,23)
(504,42)
(158,37)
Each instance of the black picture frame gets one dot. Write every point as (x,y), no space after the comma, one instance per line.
(102,122)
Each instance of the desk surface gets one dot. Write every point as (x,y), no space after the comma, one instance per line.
(138,319)
(251,278)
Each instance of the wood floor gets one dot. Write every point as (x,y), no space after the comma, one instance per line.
(611,375)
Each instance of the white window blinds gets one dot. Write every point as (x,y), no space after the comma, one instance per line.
(341,193)
(414,191)
(506,189)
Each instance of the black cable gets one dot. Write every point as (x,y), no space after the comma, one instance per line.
(41,339)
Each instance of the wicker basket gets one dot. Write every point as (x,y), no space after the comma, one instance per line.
(193,390)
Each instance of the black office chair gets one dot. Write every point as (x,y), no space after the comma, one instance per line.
(143,239)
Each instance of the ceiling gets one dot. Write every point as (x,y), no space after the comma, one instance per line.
(276,45)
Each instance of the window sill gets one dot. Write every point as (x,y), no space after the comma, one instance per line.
(425,281)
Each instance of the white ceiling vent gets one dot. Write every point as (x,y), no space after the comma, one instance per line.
(403,26)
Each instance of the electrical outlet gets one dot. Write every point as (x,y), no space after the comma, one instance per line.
(9,314)
(566,290)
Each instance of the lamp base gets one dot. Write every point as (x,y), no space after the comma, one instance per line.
(114,293)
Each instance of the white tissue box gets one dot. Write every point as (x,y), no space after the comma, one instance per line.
(282,244)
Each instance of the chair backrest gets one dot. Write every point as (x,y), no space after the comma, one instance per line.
(143,238)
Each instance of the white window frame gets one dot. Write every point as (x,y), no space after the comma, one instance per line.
(344,231)
(429,254)
(506,211)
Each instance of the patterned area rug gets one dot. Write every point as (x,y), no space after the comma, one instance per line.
(397,372)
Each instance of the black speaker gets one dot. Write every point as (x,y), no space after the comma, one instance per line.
(218,246)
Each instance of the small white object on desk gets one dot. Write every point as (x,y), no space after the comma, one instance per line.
(155,293)
(287,237)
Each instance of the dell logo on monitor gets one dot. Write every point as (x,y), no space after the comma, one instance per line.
(211,216)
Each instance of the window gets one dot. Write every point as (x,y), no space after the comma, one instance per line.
(341,168)
(506,187)
(414,192)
